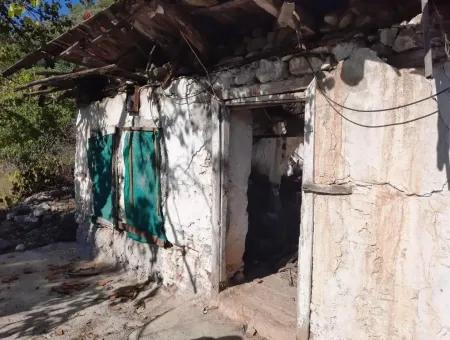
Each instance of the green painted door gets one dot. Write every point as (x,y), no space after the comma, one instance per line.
(141,189)
(100,163)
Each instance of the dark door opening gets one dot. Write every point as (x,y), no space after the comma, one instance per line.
(274,191)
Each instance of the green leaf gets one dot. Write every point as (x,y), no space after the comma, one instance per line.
(11,11)
(15,10)
(35,3)
(28,21)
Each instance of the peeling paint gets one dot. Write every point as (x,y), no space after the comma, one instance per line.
(381,254)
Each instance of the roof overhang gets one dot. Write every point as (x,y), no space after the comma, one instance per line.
(124,40)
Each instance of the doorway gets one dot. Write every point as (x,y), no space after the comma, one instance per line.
(264,190)
(274,191)
(264,184)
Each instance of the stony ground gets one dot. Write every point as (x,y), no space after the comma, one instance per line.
(52,292)
(41,219)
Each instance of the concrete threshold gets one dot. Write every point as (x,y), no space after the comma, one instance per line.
(268,305)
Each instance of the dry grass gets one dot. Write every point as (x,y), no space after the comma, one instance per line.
(5,183)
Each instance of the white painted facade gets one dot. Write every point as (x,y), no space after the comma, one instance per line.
(379,257)
(185,180)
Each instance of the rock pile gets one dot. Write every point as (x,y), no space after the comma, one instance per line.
(38,220)
(400,45)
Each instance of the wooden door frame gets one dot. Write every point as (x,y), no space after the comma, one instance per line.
(305,245)
(220,154)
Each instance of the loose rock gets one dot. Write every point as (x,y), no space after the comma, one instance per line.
(388,35)
(20,247)
(246,76)
(38,220)
(343,51)
(405,41)
(41,209)
(271,70)
(300,66)
(6,246)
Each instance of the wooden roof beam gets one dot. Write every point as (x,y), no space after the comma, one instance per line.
(70,76)
(220,8)
(98,71)
(183,22)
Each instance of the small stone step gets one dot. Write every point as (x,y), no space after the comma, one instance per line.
(268,305)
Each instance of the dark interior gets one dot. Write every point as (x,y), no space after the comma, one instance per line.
(273,208)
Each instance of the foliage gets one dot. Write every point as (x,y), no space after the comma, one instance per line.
(36,136)
(81,10)
(36,133)
(31,23)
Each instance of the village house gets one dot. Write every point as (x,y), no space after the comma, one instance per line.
(289,160)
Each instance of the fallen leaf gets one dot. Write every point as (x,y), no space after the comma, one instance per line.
(28,271)
(103,282)
(86,271)
(67,288)
(56,271)
(10,279)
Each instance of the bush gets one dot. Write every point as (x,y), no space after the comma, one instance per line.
(47,173)
(37,139)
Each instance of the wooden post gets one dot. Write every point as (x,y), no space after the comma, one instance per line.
(220,149)
(427,39)
(305,246)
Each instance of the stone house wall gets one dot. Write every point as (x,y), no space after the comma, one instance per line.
(186,185)
(381,255)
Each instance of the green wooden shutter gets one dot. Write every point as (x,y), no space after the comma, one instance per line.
(142,210)
(100,162)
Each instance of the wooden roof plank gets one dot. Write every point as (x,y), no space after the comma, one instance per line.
(73,75)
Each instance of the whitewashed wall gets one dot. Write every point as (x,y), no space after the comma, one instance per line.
(186,185)
(381,265)
(239,169)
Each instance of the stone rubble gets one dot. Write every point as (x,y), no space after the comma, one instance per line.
(39,220)
(386,43)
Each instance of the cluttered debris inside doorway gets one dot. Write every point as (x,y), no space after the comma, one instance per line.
(274,192)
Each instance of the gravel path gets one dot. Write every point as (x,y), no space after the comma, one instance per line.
(51,292)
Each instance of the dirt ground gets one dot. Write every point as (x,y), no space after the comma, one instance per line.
(51,292)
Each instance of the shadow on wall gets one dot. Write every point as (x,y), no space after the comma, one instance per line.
(189,125)
(353,73)
(442,79)
(181,125)
(94,118)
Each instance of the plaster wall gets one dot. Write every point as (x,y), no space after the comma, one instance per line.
(186,184)
(240,162)
(381,265)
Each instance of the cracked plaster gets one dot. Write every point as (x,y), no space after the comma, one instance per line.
(381,255)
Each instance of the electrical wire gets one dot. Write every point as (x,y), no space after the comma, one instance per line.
(346,118)
(381,125)
(386,109)
(331,101)
(322,91)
